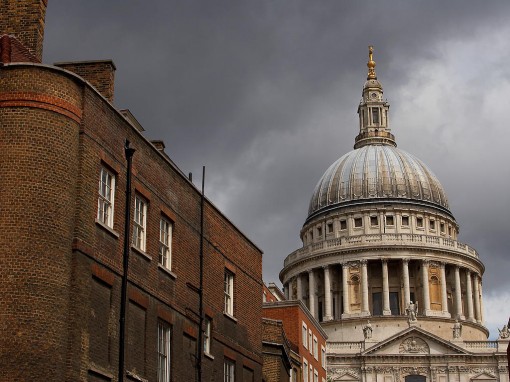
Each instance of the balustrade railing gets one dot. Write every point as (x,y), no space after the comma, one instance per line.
(348,345)
(481,344)
(404,239)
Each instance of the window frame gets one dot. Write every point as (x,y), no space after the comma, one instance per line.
(164,352)
(315,348)
(166,228)
(304,335)
(104,199)
(228,290)
(358,222)
(310,341)
(323,357)
(305,370)
(207,335)
(140,223)
(229,370)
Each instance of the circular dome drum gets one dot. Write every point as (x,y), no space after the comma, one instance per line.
(377,173)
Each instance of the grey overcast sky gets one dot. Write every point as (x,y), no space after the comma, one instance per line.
(264,94)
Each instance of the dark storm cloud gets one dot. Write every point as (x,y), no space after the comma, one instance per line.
(264,93)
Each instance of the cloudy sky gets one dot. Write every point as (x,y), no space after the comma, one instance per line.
(264,94)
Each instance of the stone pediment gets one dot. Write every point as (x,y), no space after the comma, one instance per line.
(484,377)
(414,341)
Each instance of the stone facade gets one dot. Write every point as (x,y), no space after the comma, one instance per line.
(382,270)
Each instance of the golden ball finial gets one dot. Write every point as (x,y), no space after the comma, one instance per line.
(371,64)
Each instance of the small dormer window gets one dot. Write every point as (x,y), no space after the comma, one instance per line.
(375,116)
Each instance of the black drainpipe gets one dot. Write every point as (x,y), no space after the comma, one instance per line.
(128,151)
(201,288)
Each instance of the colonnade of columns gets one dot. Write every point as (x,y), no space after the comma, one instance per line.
(466,302)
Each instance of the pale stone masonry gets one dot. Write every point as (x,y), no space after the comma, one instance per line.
(382,270)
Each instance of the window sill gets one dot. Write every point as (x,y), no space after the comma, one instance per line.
(229,316)
(107,229)
(167,271)
(99,371)
(135,377)
(141,253)
(210,356)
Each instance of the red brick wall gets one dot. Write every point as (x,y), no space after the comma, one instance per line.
(100,74)
(55,135)
(25,20)
(293,317)
(39,146)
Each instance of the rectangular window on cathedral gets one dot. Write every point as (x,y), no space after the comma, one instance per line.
(375,116)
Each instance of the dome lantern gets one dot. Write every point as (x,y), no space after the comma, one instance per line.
(373,111)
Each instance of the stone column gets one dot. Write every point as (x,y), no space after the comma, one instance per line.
(381,222)
(444,296)
(469,296)
(405,277)
(385,288)
(482,315)
(425,286)
(398,222)
(311,292)
(458,294)
(345,288)
(286,290)
(327,294)
(299,287)
(364,288)
(477,298)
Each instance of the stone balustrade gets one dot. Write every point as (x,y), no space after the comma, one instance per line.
(348,346)
(377,240)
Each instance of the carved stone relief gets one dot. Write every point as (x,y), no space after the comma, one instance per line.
(414,345)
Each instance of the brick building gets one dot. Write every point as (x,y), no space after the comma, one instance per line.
(276,356)
(306,337)
(62,185)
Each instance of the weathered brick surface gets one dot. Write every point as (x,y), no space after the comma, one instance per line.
(275,352)
(292,314)
(100,74)
(25,19)
(60,270)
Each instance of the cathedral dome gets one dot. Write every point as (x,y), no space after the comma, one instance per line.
(377,173)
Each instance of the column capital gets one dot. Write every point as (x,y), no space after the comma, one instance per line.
(310,270)
(384,259)
(405,260)
(325,266)
(442,264)
(425,261)
(363,262)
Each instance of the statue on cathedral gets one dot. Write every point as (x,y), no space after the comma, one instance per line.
(412,310)
(367,330)
(457,329)
(504,332)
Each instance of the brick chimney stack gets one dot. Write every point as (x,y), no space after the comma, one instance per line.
(24,19)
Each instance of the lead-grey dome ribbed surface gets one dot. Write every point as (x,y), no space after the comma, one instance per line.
(377,172)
